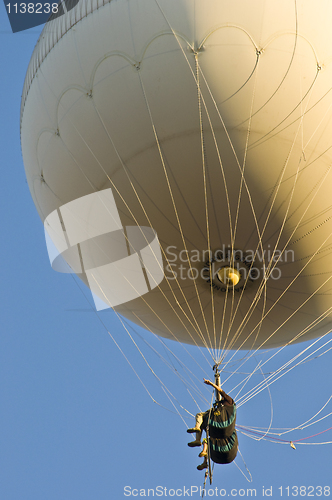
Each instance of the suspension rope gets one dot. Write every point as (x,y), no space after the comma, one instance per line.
(123,200)
(250,476)
(203,153)
(138,349)
(174,207)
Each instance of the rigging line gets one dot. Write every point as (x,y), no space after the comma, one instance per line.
(276,190)
(140,352)
(233,372)
(272,372)
(174,336)
(265,137)
(222,350)
(238,163)
(216,107)
(178,359)
(282,441)
(234,152)
(244,357)
(247,315)
(143,300)
(207,432)
(289,66)
(245,155)
(316,103)
(319,125)
(316,444)
(258,52)
(262,429)
(309,437)
(225,187)
(170,366)
(117,345)
(259,436)
(304,330)
(249,480)
(275,354)
(174,310)
(311,218)
(302,117)
(153,311)
(139,378)
(286,442)
(204,483)
(282,431)
(267,271)
(271,208)
(310,326)
(239,201)
(241,373)
(142,355)
(203,152)
(270,396)
(256,391)
(309,422)
(200,410)
(264,291)
(244,181)
(235,155)
(164,345)
(244,382)
(148,219)
(289,362)
(317,421)
(255,438)
(113,185)
(244,84)
(175,407)
(142,297)
(279,298)
(252,307)
(181,365)
(185,382)
(263,312)
(299,427)
(173,203)
(300,127)
(305,426)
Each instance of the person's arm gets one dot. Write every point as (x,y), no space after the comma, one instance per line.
(208,382)
(220,390)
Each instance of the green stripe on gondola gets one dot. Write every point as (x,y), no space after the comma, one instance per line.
(226,448)
(226,423)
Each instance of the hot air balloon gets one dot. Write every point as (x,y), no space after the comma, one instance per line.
(179,154)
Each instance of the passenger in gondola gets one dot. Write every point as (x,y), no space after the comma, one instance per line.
(219,424)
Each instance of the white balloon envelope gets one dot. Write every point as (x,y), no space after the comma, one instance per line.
(192,142)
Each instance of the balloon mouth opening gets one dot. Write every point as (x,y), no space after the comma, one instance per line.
(229,276)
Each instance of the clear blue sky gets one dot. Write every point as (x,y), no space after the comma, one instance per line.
(75,422)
